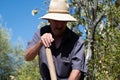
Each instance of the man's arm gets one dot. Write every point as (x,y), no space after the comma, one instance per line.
(74,75)
(45,40)
(31,52)
(78,62)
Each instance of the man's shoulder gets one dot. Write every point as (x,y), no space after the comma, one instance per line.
(73,34)
(45,29)
(80,41)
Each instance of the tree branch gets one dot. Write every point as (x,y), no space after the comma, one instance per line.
(98,20)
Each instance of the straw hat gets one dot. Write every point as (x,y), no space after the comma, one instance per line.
(59,10)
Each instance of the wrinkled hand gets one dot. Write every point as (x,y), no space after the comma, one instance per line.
(47,39)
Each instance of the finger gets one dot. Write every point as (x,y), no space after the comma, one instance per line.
(51,38)
(46,40)
(43,41)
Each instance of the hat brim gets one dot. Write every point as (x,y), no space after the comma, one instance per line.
(59,17)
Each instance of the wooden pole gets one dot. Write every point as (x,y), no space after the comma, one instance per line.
(51,64)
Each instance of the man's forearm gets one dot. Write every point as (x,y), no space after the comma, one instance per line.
(75,75)
(31,52)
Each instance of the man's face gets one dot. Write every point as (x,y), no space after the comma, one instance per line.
(58,27)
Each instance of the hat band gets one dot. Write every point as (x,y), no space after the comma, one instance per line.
(64,12)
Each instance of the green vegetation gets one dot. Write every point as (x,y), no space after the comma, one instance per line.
(5,49)
(12,63)
(101,19)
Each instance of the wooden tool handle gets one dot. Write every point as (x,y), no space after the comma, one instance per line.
(51,64)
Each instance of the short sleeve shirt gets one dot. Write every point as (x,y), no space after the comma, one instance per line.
(70,55)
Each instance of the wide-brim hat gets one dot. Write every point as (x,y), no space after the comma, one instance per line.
(59,10)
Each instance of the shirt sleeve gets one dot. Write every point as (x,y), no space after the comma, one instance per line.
(78,58)
(35,39)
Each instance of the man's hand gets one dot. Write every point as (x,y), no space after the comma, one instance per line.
(47,39)
(75,75)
